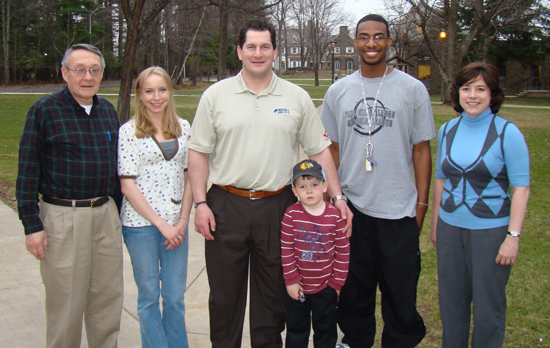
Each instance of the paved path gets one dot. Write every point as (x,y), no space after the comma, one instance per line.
(23,319)
(23,322)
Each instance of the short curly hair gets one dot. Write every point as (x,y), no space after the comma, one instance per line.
(375,18)
(470,72)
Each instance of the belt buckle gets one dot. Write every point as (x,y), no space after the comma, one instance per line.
(93,201)
(250,192)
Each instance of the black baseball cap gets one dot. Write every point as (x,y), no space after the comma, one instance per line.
(308,167)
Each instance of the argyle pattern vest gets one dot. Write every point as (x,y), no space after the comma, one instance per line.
(483,186)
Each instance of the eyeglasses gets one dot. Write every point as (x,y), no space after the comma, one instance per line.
(80,72)
(366,38)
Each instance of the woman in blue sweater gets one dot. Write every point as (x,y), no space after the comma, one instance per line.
(476,223)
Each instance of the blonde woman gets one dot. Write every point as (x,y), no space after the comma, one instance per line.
(152,166)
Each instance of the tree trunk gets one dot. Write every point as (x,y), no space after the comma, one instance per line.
(485,38)
(120,32)
(316,72)
(195,66)
(124,95)
(223,40)
(166,44)
(133,20)
(280,22)
(6,39)
(286,49)
(182,71)
(36,62)
(451,62)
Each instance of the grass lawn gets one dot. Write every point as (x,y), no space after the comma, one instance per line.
(528,320)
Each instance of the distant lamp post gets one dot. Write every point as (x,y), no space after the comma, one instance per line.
(333,44)
(442,35)
(90,21)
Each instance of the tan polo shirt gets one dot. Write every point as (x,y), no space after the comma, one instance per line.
(254,139)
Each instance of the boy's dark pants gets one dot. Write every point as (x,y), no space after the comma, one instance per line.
(319,309)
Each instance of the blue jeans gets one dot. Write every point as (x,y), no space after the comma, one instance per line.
(153,265)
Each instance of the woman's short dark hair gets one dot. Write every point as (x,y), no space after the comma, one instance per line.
(470,72)
(258,25)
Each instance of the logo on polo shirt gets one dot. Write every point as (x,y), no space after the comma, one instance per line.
(281,111)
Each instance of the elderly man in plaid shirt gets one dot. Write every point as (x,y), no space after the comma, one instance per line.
(68,155)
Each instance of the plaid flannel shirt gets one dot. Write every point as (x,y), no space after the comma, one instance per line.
(66,153)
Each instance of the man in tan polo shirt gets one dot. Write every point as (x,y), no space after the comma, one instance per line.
(245,139)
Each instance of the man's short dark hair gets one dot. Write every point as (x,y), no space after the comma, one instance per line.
(470,72)
(81,46)
(375,18)
(258,25)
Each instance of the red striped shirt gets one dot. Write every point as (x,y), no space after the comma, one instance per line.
(314,249)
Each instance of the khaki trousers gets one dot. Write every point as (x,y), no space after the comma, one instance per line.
(82,274)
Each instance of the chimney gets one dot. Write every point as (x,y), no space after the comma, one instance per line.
(344,30)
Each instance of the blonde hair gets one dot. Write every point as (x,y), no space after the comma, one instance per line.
(144,126)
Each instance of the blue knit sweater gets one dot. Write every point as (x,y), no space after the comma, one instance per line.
(508,152)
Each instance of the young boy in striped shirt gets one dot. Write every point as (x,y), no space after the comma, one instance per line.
(315,257)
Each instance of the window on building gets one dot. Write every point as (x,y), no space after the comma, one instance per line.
(424,71)
(337,65)
(284,50)
(337,50)
(349,64)
(295,50)
(349,49)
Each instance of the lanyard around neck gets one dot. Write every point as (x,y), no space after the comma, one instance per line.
(370,120)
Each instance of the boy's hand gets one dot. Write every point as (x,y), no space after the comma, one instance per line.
(294,291)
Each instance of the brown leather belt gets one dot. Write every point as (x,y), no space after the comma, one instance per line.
(77,203)
(252,194)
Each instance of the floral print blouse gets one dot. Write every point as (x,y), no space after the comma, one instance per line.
(158,177)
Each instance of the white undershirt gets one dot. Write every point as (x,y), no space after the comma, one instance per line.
(88,108)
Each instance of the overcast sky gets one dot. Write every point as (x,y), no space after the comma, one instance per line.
(357,9)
